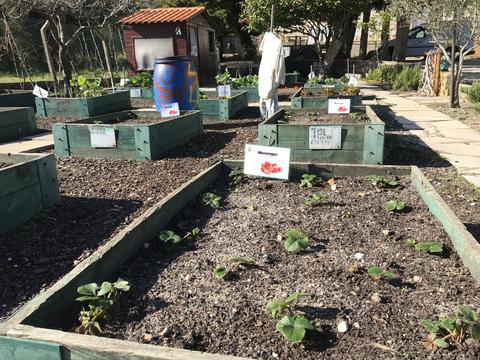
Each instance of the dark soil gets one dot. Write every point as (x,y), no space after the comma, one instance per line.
(98,199)
(175,300)
(308,118)
(5,165)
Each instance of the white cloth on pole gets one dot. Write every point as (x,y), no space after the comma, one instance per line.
(271,73)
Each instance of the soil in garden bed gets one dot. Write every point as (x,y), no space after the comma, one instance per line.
(176,301)
(99,198)
(309,118)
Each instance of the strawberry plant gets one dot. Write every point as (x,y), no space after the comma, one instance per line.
(83,87)
(203,96)
(382,182)
(295,240)
(223,272)
(432,247)
(395,206)
(223,78)
(278,307)
(377,273)
(193,235)
(211,200)
(141,79)
(168,236)
(356,116)
(293,328)
(99,300)
(315,199)
(236,177)
(453,329)
(308,180)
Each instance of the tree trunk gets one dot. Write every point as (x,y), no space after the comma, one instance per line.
(63,55)
(347,39)
(401,43)
(454,103)
(335,45)
(364,35)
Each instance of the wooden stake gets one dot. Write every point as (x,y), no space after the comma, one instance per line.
(48,55)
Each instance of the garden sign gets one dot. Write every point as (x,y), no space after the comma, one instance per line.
(266,161)
(339,106)
(324,137)
(169,110)
(102,137)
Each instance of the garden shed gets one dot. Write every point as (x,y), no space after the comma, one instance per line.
(179,31)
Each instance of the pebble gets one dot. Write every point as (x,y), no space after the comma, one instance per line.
(147,337)
(358,256)
(376,298)
(342,326)
(388,232)
(356,325)
(188,277)
(279,237)
(417,279)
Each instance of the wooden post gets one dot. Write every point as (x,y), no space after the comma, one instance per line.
(48,55)
(272,16)
(106,53)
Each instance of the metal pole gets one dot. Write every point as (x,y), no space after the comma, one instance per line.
(272,15)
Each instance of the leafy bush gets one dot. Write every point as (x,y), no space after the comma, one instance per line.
(473,95)
(245,81)
(83,87)
(141,79)
(313,81)
(408,79)
(385,74)
(223,78)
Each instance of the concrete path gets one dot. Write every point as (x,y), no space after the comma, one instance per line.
(28,144)
(453,140)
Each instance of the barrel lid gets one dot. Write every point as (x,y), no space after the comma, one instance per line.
(169,59)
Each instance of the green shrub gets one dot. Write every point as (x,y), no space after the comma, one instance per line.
(408,79)
(385,74)
(473,95)
(141,79)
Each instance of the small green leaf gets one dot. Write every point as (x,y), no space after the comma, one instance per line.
(476,331)
(294,328)
(440,343)
(295,296)
(211,200)
(88,289)
(105,288)
(375,271)
(121,284)
(466,314)
(220,272)
(430,326)
(296,240)
(275,306)
(86,298)
(242,260)
(169,236)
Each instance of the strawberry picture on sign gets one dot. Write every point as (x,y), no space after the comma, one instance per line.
(268,168)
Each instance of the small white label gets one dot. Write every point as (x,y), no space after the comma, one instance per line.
(39,92)
(325,137)
(353,82)
(135,93)
(339,106)
(123,82)
(224,91)
(102,137)
(169,110)
(266,161)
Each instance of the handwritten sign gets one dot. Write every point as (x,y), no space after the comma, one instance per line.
(325,137)
(169,110)
(135,93)
(339,106)
(102,137)
(224,90)
(266,161)
(39,92)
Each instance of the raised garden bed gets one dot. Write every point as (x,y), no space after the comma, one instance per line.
(16,98)
(218,108)
(252,93)
(139,135)
(291,79)
(360,138)
(80,108)
(171,282)
(315,98)
(16,122)
(28,184)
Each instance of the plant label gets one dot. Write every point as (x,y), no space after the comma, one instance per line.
(266,161)
(325,137)
(353,82)
(169,110)
(339,106)
(39,92)
(102,137)
(135,93)
(123,81)
(224,90)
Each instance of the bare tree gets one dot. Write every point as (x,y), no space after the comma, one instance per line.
(88,14)
(454,25)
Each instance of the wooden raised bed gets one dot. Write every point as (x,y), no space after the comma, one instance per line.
(145,140)
(16,122)
(336,87)
(252,93)
(291,79)
(360,143)
(223,108)
(15,98)
(318,101)
(80,108)
(31,322)
(26,188)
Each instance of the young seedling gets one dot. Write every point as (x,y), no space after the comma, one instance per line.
(382,182)
(278,307)
(236,177)
(453,329)
(293,328)
(193,235)
(295,240)
(223,272)
(308,180)
(356,116)
(211,200)
(99,300)
(378,274)
(312,116)
(168,236)
(315,199)
(395,206)
(432,247)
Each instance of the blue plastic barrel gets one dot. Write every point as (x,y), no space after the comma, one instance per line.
(175,79)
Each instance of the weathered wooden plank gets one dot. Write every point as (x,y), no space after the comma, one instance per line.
(224,109)
(84,347)
(47,172)
(18,177)
(60,139)
(101,265)
(252,93)
(465,244)
(373,144)
(20,206)
(24,349)
(16,122)
(17,99)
